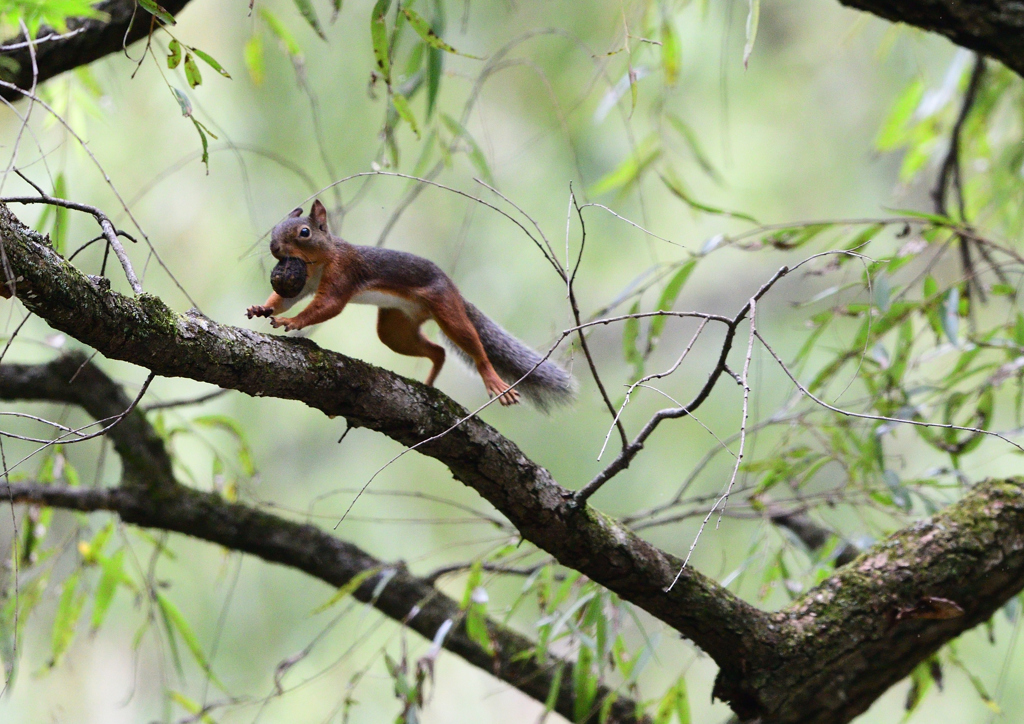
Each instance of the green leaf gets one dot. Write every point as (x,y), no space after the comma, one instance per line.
(630,337)
(336,5)
(795,237)
(476,156)
(893,131)
(430,37)
(60,216)
(69,609)
(202,131)
(937,219)
(192,707)
(554,689)
(349,588)
(667,300)
(476,572)
(675,701)
(676,187)
(753,16)
(401,104)
(435,69)
(192,74)
(882,292)
(113,574)
(175,622)
(476,628)
(305,8)
(55,14)
(682,702)
(174,54)
(159,11)
(209,60)
(670,51)
(690,138)
(951,315)
(282,33)
(584,684)
(858,242)
(253,57)
(628,172)
(379,36)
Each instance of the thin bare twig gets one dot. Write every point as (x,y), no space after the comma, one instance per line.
(723,501)
(109,232)
(630,451)
(950,174)
(879,418)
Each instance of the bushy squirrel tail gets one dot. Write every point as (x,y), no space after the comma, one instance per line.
(547,384)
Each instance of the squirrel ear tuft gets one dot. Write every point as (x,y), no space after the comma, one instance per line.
(295,213)
(319,215)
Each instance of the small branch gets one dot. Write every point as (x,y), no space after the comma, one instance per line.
(184,403)
(880,418)
(628,452)
(950,174)
(813,535)
(655,376)
(492,567)
(109,232)
(575,308)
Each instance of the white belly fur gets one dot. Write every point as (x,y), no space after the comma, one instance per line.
(389,301)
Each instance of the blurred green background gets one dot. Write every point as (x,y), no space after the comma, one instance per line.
(792,138)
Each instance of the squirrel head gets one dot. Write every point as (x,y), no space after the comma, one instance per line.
(305,237)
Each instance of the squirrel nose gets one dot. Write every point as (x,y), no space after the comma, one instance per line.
(275,247)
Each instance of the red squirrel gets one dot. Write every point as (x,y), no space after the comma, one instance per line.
(409,290)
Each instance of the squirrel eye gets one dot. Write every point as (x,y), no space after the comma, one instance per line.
(304,232)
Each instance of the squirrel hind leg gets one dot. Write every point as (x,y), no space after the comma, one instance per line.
(456,325)
(402,334)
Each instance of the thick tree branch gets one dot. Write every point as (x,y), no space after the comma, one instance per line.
(143,330)
(994,28)
(126,23)
(72,379)
(870,624)
(153,499)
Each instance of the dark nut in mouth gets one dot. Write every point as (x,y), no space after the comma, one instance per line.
(289,277)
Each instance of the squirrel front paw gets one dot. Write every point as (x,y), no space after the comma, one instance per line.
(288,323)
(258,310)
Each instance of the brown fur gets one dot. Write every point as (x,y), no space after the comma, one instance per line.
(347,271)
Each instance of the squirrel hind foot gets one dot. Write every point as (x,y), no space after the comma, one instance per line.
(506,395)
